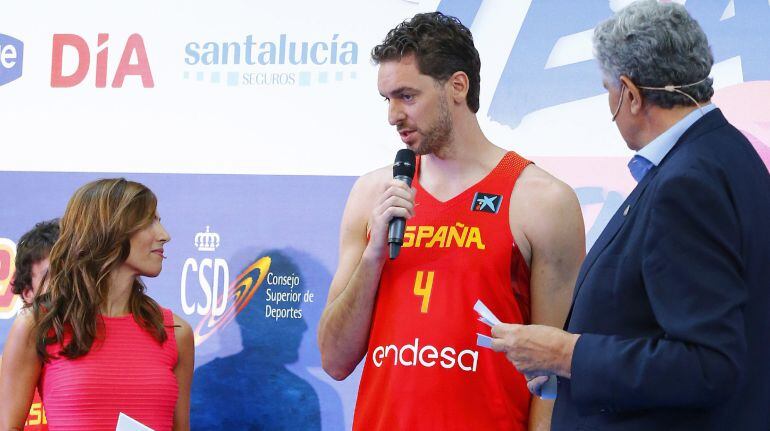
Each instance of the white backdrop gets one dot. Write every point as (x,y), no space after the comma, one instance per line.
(296,135)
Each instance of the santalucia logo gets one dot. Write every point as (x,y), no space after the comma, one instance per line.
(271,61)
(254,51)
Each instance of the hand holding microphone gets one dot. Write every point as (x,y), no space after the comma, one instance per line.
(403,170)
(394,205)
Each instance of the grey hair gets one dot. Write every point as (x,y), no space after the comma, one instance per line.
(656,44)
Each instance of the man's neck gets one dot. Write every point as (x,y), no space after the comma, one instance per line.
(466,159)
(659,120)
(466,146)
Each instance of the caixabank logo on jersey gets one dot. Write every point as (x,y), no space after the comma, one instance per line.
(271,60)
(206,289)
(11,58)
(9,303)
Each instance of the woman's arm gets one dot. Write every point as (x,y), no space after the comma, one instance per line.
(19,373)
(184,372)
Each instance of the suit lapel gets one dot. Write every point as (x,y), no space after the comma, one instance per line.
(707,123)
(609,232)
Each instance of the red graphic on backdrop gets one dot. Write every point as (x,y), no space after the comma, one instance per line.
(740,103)
(9,302)
(134,47)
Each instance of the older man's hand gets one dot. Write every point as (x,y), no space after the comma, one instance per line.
(536,350)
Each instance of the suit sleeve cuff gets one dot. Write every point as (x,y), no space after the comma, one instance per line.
(591,380)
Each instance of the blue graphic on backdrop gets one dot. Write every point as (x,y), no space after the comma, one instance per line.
(11,58)
(527,86)
(610,200)
(253,389)
(743,35)
(464,10)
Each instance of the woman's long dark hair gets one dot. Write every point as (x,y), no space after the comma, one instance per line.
(95,237)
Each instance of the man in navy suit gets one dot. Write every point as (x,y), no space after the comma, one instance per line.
(670,321)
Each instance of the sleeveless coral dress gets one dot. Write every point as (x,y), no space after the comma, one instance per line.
(126,371)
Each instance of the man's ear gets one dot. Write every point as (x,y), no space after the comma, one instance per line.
(27,295)
(459,85)
(635,96)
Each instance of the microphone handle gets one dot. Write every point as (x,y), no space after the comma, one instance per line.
(397,226)
(404,178)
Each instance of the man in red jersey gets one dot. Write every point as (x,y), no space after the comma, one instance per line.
(483,223)
(30,268)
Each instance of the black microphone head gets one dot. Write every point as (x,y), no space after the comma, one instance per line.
(404,164)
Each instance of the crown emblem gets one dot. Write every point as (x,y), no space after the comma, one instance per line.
(207,241)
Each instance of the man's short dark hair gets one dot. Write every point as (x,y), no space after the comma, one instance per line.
(441,45)
(33,246)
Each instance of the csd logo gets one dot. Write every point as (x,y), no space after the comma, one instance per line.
(213,274)
(240,293)
(9,303)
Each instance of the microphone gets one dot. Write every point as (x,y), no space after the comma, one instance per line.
(403,169)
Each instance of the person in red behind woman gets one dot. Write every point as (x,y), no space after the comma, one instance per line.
(31,265)
(94,343)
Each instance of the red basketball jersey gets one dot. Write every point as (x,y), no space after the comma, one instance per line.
(423,369)
(36,420)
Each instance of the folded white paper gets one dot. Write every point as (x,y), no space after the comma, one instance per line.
(487,315)
(127,423)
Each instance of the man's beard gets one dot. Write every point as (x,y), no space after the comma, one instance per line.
(438,135)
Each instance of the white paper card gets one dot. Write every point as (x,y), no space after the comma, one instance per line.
(127,423)
(483,341)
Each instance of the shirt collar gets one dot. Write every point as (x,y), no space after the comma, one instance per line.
(657,149)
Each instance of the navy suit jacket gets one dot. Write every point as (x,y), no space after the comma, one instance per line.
(673,300)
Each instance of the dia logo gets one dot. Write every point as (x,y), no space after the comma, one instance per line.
(134,48)
(11,58)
